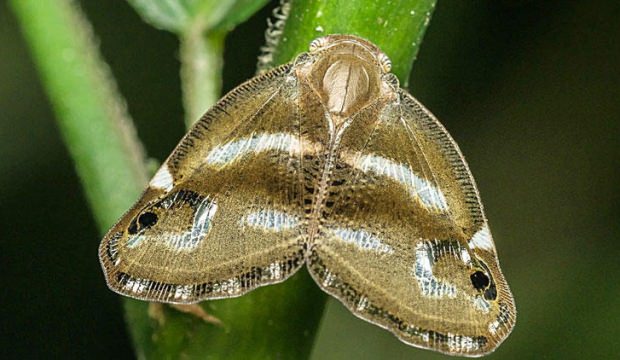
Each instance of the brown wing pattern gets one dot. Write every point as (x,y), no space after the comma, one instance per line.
(327,162)
(224,214)
(395,245)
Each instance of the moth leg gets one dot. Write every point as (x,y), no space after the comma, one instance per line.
(198,311)
(156,312)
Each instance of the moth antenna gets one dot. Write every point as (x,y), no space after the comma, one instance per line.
(273,33)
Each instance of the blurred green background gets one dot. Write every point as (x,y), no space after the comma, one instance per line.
(529,89)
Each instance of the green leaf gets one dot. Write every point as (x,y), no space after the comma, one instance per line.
(180,15)
(238,12)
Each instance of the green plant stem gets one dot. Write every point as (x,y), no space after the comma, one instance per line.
(201,70)
(91,116)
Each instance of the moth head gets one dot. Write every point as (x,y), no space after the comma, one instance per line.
(345,71)
(362,48)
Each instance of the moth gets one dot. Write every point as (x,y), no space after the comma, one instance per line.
(324,162)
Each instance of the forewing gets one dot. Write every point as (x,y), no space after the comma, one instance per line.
(223,215)
(404,243)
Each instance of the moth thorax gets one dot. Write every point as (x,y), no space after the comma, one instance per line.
(347,86)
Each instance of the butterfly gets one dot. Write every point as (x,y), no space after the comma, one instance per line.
(324,162)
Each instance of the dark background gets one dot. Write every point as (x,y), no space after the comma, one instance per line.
(529,89)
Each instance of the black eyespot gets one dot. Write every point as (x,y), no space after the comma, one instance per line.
(490,293)
(133,227)
(480,280)
(147,220)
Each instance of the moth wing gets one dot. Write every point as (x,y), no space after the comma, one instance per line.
(222,215)
(406,231)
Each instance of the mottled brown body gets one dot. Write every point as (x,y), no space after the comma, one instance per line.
(324,162)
